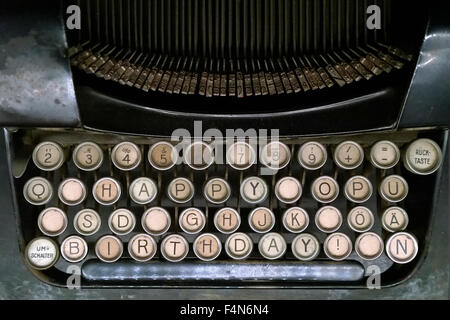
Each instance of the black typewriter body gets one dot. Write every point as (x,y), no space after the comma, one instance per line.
(141,77)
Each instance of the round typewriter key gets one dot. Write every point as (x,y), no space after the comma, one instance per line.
(305,247)
(402,247)
(328,219)
(337,246)
(288,190)
(52,221)
(360,219)
(394,219)
(393,188)
(162,156)
(143,190)
(174,248)
(312,155)
(122,221)
(227,220)
(423,156)
(358,189)
(72,192)
(41,253)
(106,191)
(199,155)
(207,247)
(295,219)
(384,154)
(217,190)
(369,246)
(126,156)
(238,246)
(156,221)
(180,190)
(254,190)
(109,248)
(192,220)
(74,249)
(87,222)
(38,191)
(348,155)
(48,156)
(261,220)
(325,189)
(87,156)
(241,155)
(272,246)
(142,247)
(275,155)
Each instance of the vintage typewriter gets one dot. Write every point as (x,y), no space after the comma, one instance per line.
(227,143)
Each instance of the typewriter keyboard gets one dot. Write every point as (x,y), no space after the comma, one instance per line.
(134,208)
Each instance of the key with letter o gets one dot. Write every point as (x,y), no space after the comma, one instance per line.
(325,189)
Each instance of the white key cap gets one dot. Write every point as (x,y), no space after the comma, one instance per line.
(328,219)
(41,253)
(109,248)
(192,220)
(358,189)
(384,154)
(305,247)
(241,155)
(254,190)
(295,219)
(106,191)
(174,248)
(272,246)
(162,156)
(275,155)
(87,222)
(126,156)
(288,190)
(394,219)
(88,156)
(227,220)
(48,156)
(402,247)
(369,246)
(360,219)
(52,221)
(38,191)
(180,190)
(348,155)
(121,221)
(199,155)
(423,156)
(207,247)
(74,249)
(217,190)
(238,246)
(142,247)
(72,192)
(393,188)
(325,189)
(156,221)
(143,190)
(312,155)
(337,246)
(261,220)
